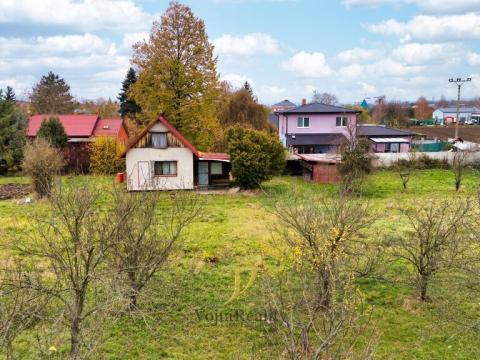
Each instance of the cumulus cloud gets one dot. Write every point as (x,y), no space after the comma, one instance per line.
(93,65)
(431,28)
(415,53)
(236,80)
(85,15)
(308,65)
(250,44)
(473,58)
(429,6)
(359,55)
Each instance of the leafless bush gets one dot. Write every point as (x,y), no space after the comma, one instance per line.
(317,309)
(144,239)
(73,244)
(406,168)
(21,305)
(435,240)
(42,163)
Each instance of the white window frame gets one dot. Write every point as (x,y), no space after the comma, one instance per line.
(170,173)
(303,122)
(343,121)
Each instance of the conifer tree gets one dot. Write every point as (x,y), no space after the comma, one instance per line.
(53,131)
(10,95)
(178,75)
(51,96)
(128,106)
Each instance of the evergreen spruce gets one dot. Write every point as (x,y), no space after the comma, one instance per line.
(128,106)
(10,95)
(51,96)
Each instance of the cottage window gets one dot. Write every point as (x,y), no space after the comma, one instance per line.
(159,140)
(303,122)
(165,168)
(216,168)
(341,121)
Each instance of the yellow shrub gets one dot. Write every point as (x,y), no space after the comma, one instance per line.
(105,154)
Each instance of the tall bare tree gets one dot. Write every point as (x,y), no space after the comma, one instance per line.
(423,110)
(435,239)
(324,98)
(144,238)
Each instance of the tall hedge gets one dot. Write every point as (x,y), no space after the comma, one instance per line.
(256,156)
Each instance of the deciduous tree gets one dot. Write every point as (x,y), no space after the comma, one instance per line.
(423,110)
(324,98)
(178,76)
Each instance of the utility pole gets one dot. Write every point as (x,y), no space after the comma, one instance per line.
(459,82)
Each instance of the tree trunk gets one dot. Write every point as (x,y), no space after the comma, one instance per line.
(326,291)
(75,338)
(9,347)
(423,287)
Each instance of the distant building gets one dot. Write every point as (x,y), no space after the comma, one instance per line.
(80,130)
(282,106)
(468,115)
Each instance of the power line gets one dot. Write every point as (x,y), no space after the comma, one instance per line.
(459,82)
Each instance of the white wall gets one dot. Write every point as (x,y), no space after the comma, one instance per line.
(388,159)
(183,180)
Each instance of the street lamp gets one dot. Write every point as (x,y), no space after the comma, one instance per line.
(459,82)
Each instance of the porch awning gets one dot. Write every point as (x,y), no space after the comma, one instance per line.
(389,140)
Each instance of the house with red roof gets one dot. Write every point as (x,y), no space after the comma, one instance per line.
(81,130)
(160,158)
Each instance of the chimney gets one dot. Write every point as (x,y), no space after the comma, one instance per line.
(304,102)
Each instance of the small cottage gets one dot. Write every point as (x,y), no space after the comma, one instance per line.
(160,158)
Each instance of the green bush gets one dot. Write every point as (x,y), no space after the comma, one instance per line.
(105,156)
(256,156)
(53,131)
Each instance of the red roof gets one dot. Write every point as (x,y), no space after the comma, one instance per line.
(108,127)
(75,125)
(185,142)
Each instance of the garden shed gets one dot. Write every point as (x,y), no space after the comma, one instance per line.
(320,169)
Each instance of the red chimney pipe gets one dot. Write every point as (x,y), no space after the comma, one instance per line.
(304,101)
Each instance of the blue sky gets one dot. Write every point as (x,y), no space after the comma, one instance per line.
(286,48)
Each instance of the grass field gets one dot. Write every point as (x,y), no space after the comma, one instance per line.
(185,297)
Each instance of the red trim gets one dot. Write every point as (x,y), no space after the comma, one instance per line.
(178,135)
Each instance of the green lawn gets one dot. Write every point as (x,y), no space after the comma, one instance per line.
(234,229)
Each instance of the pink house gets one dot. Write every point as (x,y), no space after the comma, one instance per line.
(315,128)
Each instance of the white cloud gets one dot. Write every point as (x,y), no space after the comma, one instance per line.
(310,65)
(432,28)
(85,15)
(129,39)
(236,80)
(93,66)
(473,58)
(415,53)
(359,55)
(254,43)
(429,6)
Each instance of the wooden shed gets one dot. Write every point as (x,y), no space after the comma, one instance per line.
(320,169)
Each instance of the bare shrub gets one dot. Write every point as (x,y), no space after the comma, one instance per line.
(406,168)
(73,243)
(42,163)
(22,307)
(435,239)
(144,238)
(317,309)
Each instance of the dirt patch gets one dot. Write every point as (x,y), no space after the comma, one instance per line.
(14,191)
(466,132)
